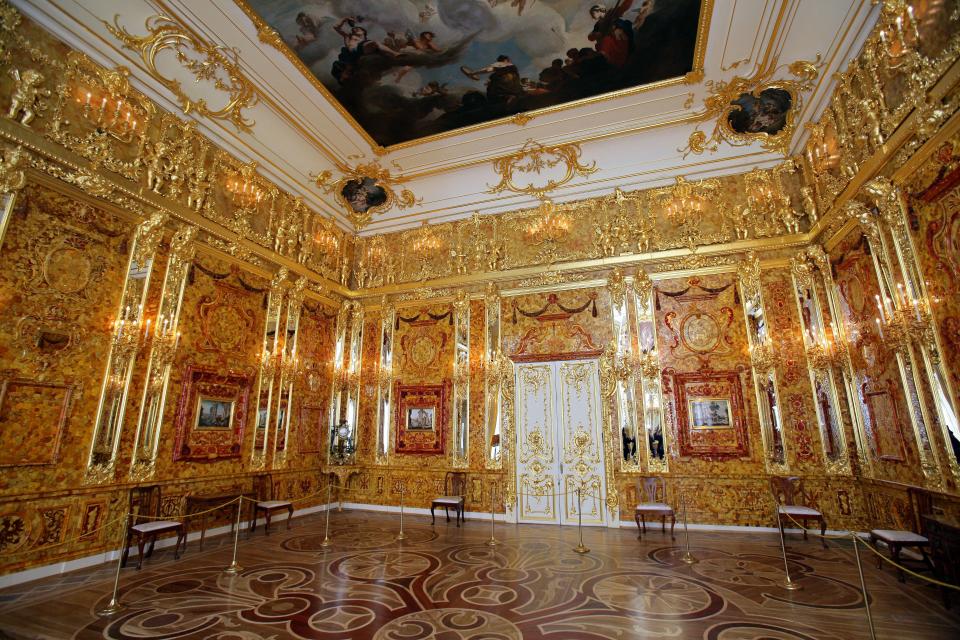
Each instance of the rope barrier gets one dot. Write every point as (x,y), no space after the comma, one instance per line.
(858,539)
(70,541)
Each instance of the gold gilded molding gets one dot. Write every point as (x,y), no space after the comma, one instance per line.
(404,199)
(534,157)
(12,178)
(719,105)
(209,63)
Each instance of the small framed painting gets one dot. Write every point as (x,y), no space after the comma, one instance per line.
(214,413)
(709,413)
(421,418)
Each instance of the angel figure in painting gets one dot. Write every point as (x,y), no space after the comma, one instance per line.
(356,44)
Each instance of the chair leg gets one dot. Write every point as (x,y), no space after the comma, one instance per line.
(663,524)
(926,558)
(875,543)
(643,521)
(636,517)
(181,536)
(803,526)
(266,518)
(457,515)
(446,510)
(140,542)
(433,516)
(289,515)
(895,554)
(673,524)
(153,543)
(823,532)
(126,552)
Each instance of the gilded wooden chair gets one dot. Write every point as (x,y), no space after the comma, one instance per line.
(146,525)
(455,488)
(793,505)
(652,494)
(263,487)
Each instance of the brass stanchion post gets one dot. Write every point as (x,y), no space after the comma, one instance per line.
(580,548)
(401,535)
(492,542)
(115,605)
(235,567)
(863,587)
(788,584)
(326,529)
(687,557)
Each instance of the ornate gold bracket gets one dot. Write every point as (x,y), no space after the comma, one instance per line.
(720,104)
(369,176)
(534,157)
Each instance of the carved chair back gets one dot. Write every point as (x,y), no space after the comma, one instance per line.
(788,490)
(455,483)
(144,501)
(921,504)
(263,487)
(652,489)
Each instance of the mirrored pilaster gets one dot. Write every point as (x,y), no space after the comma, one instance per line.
(164,340)
(268,370)
(127,337)
(385,382)
(651,400)
(763,360)
(461,381)
(492,379)
(289,369)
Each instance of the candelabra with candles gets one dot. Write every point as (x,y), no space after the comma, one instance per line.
(110,113)
(900,31)
(128,336)
(904,320)
(164,341)
(764,355)
(823,353)
(289,367)
(242,187)
(550,225)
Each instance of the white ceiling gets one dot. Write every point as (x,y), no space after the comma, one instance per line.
(634,139)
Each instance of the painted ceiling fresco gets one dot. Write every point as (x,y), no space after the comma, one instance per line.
(405,69)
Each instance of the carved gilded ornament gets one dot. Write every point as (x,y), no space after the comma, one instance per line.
(643,287)
(685,203)
(720,104)
(206,61)
(382,178)
(535,158)
(25,100)
(148,235)
(12,177)
(617,285)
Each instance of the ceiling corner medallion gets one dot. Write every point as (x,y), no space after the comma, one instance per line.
(758,109)
(366,190)
(535,158)
(207,61)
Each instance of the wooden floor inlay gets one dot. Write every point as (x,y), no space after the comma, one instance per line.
(445,583)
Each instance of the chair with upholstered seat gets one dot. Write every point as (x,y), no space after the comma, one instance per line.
(652,494)
(145,524)
(263,487)
(454,488)
(793,505)
(904,538)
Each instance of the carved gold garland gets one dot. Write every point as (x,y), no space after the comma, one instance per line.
(534,157)
(214,63)
(722,94)
(404,199)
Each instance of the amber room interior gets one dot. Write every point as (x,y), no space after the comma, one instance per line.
(480,319)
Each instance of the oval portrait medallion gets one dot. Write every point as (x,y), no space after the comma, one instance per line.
(700,332)
(67,270)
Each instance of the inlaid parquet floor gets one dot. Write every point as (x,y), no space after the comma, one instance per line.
(445,583)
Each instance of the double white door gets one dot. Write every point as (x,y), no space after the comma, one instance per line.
(559,445)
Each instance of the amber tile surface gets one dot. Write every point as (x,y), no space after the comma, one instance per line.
(446,583)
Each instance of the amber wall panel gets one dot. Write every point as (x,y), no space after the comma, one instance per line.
(879,388)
